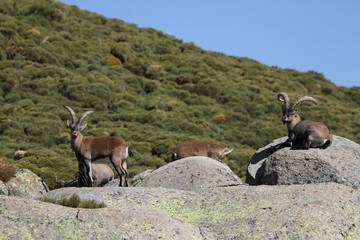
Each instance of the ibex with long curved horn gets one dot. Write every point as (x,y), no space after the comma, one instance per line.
(303,133)
(92,149)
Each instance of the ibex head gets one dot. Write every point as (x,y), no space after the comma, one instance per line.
(288,110)
(75,125)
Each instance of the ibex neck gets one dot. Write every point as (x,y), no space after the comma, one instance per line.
(293,123)
(76,142)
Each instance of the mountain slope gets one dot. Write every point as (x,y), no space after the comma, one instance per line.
(147,87)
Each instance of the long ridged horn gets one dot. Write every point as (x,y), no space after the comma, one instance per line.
(72,115)
(303,99)
(83,116)
(283,97)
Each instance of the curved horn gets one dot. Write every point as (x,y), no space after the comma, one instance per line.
(227,151)
(303,99)
(83,116)
(73,118)
(283,97)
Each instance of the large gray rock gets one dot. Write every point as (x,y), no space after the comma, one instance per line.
(191,173)
(26,184)
(3,189)
(138,178)
(134,181)
(31,219)
(312,211)
(275,164)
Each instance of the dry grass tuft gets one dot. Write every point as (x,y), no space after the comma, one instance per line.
(7,170)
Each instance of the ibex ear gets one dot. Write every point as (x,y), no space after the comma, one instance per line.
(83,126)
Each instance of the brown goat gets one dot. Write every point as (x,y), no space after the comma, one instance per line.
(88,150)
(200,148)
(302,133)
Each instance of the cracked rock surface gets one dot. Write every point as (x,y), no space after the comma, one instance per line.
(27,218)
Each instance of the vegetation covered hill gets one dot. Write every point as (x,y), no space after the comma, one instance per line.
(144,86)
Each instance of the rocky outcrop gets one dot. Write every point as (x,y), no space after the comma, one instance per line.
(312,211)
(198,198)
(191,173)
(275,164)
(31,219)
(26,184)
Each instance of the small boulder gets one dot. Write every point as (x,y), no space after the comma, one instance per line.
(277,164)
(20,154)
(26,184)
(190,174)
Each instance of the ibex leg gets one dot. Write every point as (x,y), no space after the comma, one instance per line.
(89,170)
(120,171)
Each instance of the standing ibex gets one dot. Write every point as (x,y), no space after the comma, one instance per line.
(302,133)
(200,148)
(91,149)
(101,174)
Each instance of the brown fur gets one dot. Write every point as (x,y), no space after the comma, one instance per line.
(102,174)
(199,148)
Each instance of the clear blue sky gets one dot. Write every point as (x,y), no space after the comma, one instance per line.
(304,35)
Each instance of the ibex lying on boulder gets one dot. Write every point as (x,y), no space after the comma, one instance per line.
(101,174)
(91,149)
(200,148)
(303,134)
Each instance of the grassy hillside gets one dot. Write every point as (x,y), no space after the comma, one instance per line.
(147,87)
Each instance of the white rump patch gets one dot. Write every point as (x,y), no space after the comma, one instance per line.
(126,152)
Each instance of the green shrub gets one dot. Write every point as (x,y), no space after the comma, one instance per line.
(121,51)
(50,166)
(75,202)
(46,9)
